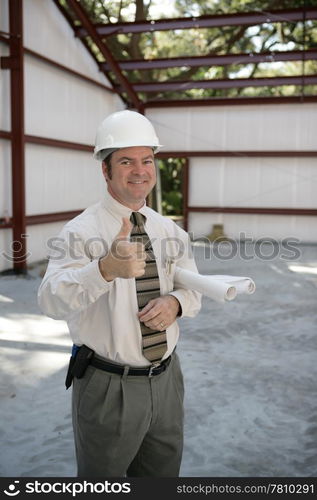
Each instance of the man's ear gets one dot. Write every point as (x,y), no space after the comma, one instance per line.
(105,171)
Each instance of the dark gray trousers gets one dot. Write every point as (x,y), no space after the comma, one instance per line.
(129,425)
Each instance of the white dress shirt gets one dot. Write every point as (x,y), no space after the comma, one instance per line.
(102,314)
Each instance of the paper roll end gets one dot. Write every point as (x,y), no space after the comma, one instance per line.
(231,293)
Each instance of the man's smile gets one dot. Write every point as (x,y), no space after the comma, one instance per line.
(137,182)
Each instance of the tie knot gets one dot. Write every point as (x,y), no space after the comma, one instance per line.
(137,219)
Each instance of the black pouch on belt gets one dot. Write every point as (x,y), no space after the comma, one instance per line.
(78,364)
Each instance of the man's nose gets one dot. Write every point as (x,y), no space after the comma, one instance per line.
(138,167)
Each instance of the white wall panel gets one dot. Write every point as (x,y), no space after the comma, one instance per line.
(5,179)
(39,237)
(58,180)
(46,31)
(5,107)
(253,182)
(205,181)
(5,149)
(5,249)
(4,16)
(262,127)
(255,226)
(60,106)
(249,182)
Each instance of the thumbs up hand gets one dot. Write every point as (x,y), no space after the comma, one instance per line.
(125,259)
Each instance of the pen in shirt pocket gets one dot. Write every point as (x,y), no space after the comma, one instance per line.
(169,266)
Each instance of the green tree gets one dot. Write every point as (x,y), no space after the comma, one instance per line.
(171,172)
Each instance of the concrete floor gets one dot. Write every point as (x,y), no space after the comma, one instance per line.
(249,366)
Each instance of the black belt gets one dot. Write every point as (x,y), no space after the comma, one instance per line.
(149,371)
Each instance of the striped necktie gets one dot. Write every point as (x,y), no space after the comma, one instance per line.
(154,342)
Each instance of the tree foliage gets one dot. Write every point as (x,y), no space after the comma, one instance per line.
(171,172)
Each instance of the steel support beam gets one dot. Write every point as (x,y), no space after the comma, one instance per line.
(4,134)
(32,220)
(185,192)
(92,33)
(237,19)
(77,146)
(57,143)
(17,135)
(237,154)
(215,60)
(232,101)
(228,83)
(256,210)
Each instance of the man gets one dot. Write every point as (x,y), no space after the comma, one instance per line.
(121,308)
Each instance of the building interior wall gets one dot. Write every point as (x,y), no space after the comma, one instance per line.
(241,181)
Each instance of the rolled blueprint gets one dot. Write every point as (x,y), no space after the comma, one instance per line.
(217,287)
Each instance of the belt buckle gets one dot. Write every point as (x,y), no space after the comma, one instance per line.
(152,368)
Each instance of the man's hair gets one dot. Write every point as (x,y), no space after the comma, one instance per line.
(107,161)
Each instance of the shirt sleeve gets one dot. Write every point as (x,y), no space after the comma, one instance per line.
(190,301)
(72,281)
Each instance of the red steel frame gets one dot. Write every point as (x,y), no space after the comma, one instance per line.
(226,83)
(237,19)
(214,60)
(99,33)
(14,63)
(221,101)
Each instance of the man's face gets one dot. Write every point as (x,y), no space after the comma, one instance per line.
(133,175)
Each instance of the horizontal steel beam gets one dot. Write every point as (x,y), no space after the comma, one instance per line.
(45,141)
(215,60)
(236,19)
(237,154)
(255,210)
(4,134)
(52,217)
(229,101)
(56,143)
(228,83)
(31,220)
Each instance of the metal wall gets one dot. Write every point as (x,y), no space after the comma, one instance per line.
(242,181)
(60,106)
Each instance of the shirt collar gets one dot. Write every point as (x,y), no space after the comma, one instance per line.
(119,210)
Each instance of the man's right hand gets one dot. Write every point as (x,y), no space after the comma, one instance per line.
(125,258)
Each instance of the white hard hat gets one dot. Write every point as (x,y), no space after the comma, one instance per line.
(124,129)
